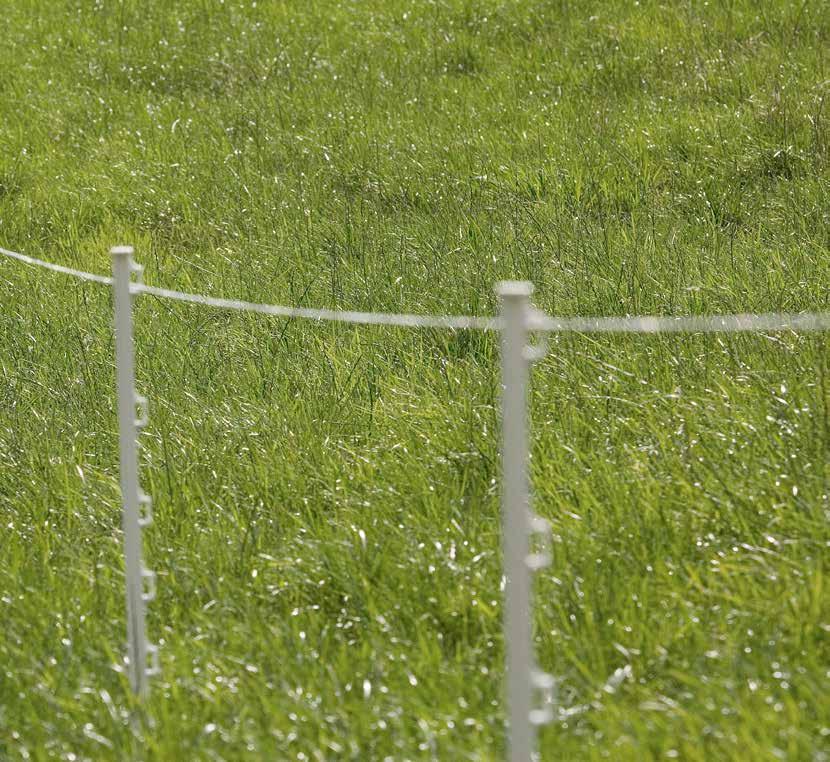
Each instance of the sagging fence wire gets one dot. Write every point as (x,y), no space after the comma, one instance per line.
(455,322)
(537,321)
(56,268)
(531,694)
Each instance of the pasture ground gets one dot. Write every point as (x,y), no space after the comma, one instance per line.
(327,533)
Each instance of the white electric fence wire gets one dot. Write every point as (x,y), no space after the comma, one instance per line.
(456,322)
(770,321)
(538,321)
(57,268)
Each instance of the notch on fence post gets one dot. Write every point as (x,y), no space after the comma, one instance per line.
(135,504)
(515,455)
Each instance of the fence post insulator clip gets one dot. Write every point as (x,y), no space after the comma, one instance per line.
(545,686)
(143,406)
(540,529)
(145,509)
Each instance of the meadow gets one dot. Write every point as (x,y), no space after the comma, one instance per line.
(327,531)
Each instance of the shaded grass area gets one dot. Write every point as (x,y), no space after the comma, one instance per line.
(327,534)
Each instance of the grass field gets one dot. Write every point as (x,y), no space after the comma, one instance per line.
(327,533)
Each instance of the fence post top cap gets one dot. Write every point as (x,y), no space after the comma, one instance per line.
(121,250)
(514,288)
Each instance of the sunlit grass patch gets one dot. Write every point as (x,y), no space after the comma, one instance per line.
(327,535)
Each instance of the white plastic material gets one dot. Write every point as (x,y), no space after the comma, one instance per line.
(136,512)
(152,668)
(143,406)
(149,585)
(515,455)
(545,686)
(540,528)
(145,510)
(530,692)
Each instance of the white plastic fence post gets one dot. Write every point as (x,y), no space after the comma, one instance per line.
(515,302)
(136,505)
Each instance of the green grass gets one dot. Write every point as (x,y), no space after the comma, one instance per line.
(327,532)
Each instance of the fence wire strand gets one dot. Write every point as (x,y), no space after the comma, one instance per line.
(770,321)
(539,321)
(57,268)
(457,322)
